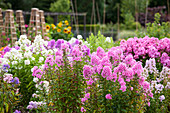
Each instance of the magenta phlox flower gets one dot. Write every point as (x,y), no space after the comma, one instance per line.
(106,72)
(123,88)
(108,96)
(106,62)
(90,82)
(146,86)
(114,76)
(100,52)
(59,52)
(65,46)
(121,69)
(58,43)
(51,44)
(137,68)
(95,60)
(87,95)
(59,60)
(165,59)
(82,109)
(141,80)
(76,53)
(87,71)
(99,68)
(85,50)
(50,60)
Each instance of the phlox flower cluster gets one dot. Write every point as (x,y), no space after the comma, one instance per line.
(115,67)
(9,78)
(35,105)
(147,47)
(159,82)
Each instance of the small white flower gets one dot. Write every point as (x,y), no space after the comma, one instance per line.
(108,39)
(35,79)
(33,58)
(41,59)
(23,37)
(14,62)
(46,84)
(79,37)
(162,97)
(27,62)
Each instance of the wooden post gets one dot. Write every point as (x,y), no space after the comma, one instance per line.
(42,23)
(1,28)
(9,26)
(118,29)
(85,26)
(136,13)
(104,14)
(20,22)
(34,24)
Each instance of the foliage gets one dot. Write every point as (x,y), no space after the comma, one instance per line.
(50,20)
(128,6)
(9,90)
(99,40)
(60,6)
(60,31)
(156,29)
(4,4)
(129,23)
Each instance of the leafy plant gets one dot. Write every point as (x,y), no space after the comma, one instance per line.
(156,29)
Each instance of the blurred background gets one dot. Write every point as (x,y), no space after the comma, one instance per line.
(113,18)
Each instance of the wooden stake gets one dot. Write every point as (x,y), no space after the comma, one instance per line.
(20,22)
(34,25)
(1,28)
(9,27)
(42,23)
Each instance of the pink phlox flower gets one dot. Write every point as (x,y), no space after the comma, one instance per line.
(106,72)
(59,52)
(100,52)
(34,70)
(122,67)
(114,76)
(106,62)
(123,88)
(138,69)
(76,53)
(82,109)
(108,96)
(146,86)
(129,74)
(50,60)
(65,46)
(99,68)
(59,60)
(90,82)
(87,95)
(7,78)
(95,60)
(87,71)
(141,80)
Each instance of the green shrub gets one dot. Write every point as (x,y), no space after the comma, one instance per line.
(156,29)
